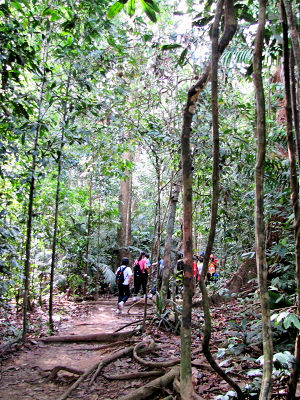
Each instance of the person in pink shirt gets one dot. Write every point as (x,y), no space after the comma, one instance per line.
(140,270)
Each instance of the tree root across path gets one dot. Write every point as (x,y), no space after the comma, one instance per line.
(93,337)
(141,393)
(99,366)
(153,386)
(153,364)
(134,375)
(58,368)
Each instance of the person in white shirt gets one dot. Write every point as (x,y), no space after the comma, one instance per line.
(124,283)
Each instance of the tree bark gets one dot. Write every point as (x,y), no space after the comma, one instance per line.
(186,387)
(294,187)
(266,387)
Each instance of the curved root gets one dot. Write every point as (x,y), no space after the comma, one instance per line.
(153,364)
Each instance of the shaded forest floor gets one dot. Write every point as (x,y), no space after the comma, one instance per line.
(25,369)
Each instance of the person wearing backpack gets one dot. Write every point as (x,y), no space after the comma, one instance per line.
(124,278)
(140,275)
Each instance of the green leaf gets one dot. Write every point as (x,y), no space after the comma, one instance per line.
(153,5)
(115,8)
(291,319)
(148,9)
(170,46)
(131,7)
(202,21)
(182,57)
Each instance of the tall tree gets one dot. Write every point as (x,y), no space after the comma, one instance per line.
(186,388)
(262,269)
(59,159)
(294,186)
(35,149)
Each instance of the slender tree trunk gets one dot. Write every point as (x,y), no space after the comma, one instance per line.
(167,270)
(294,32)
(124,230)
(193,94)
(57,198)
(295,106)
(88,239)
(158,233)
(294,188)
(31,199)
(266,387)
(98,250)
(215,197)
(186,386)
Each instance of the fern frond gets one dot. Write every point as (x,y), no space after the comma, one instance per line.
(108,273)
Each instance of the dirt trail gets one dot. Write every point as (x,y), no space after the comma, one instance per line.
(24,375)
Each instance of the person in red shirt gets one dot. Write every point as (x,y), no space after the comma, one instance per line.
(195,267)
(140,275)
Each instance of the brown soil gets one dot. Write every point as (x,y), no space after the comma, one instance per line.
(24,370)
(24,373)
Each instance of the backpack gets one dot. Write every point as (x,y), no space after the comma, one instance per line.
(120,276)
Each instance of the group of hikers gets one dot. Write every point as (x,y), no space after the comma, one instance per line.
(125,277)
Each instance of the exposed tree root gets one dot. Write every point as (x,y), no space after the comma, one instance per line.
(130,323)
(153,364)
(105,346)
(93,337)
(134,375)
(153,386)
(139,303)
(58,368)
(98,366)
(134,304)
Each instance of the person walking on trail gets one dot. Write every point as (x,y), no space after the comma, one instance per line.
(140,275)
(212,267)
(124,278)
(200,265)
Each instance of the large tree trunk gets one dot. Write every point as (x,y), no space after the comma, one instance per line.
(124,230)
(189,110)
(265,392)
(57,197)
(294,188)
(167,271)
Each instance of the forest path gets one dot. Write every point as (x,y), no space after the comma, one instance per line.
(23,376)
